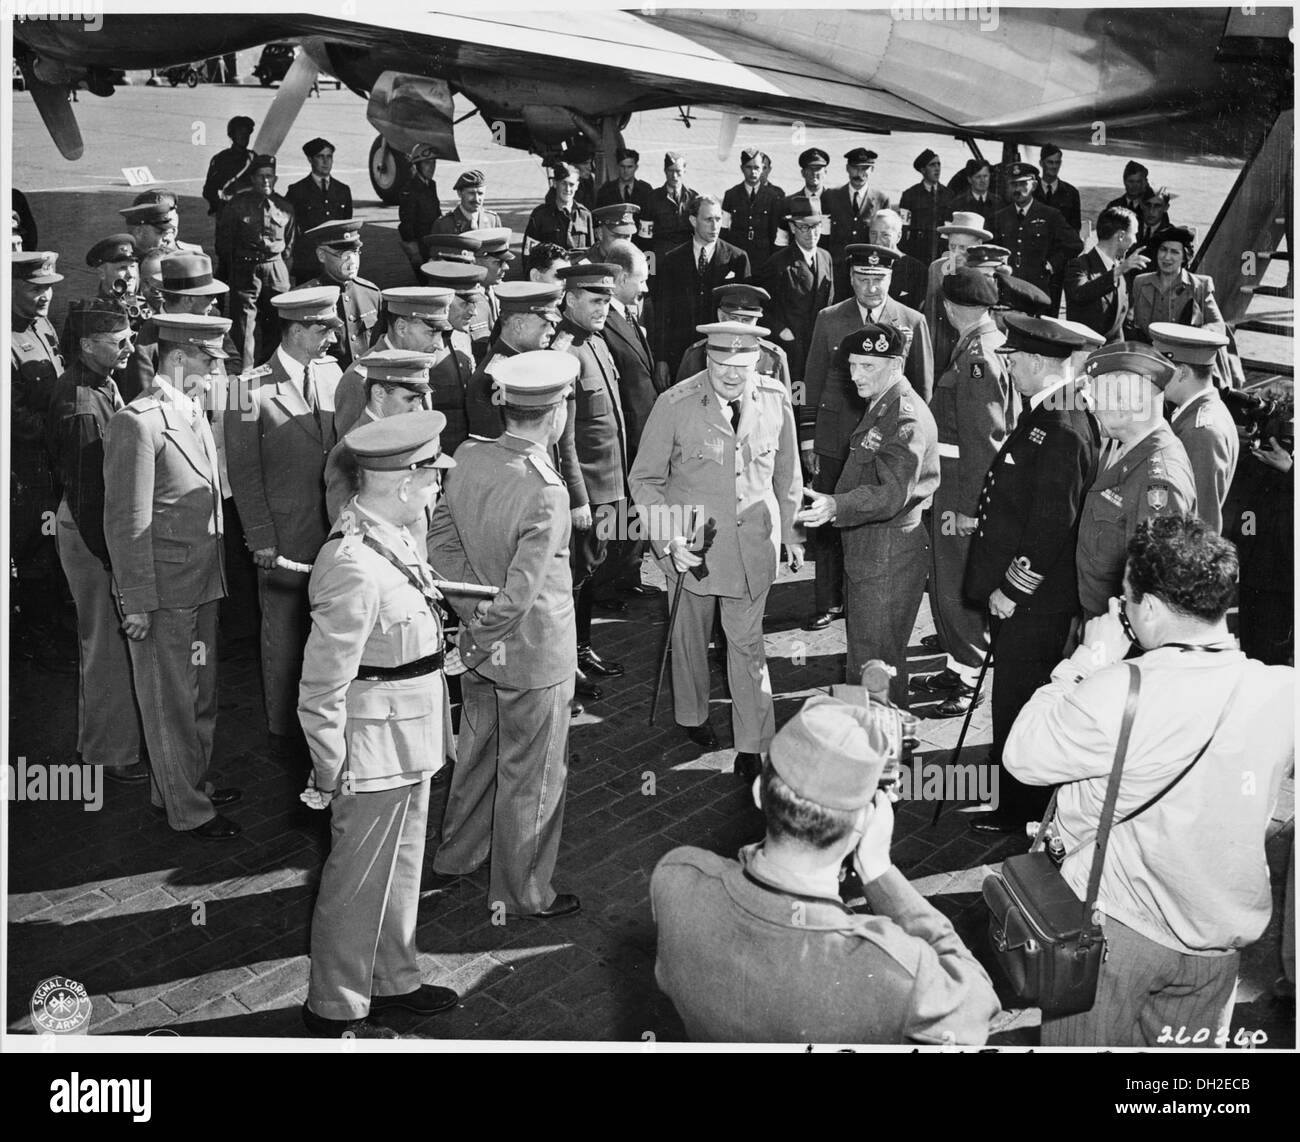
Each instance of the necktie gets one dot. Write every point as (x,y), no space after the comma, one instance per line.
(857,202)
(703,263)
(733,407)
(309,395)
(627,194)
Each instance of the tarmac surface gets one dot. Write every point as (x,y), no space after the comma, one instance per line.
(170,933)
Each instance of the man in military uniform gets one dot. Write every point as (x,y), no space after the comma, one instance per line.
(665,221)
(831,406)
(888,478)
(1039,238)
(255,238)
(974,411)
(279,431)
(961,232)
(1021,568)
(1052,190)
(83,402)
(338,252)
(1144,469)
(162,524)
(978,198)
(493,257)
(849,210)
(762,950)
(154,222)
(505,522)
(626,188)
(753,211)
(722,442)
(373,706)
(228,171)
(1199,418)
(469,214)
(419,207)
(465,280)
(116,263)
(530,315)
(924,208)
(317,198)
(616,222)
(593,449)
(1136,188)
(561,218)
(35,364)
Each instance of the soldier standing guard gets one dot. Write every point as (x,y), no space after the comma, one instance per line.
(228,173)
(419,207)
(373,706)
(255,237)
(317,198)
(723,440)
(360,306)
(753,211)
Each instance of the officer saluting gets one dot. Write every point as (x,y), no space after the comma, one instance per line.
(373,706)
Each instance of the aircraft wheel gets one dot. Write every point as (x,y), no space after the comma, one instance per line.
(389,171)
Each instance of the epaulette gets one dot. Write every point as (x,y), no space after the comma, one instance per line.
(689,387)
(771,384)
(547,473)
(143,403)
(365,282)
(253,374)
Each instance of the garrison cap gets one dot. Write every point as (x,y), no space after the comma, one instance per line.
(1019,172)
(148,213)
(924,159)
(865,258)
(1131,168)
(313,147)
(1027,334)
(458,276)
(803,209)
(831,753)
(860,157)
(750,155)
(451,247)
(1091,338)
(337,234)
(1185,344)
(236,123)
(598,277)
(967,286)
(985,255)
(733,342)
(398,367)
(98,315)
(1131,357)
(530,297)
(189,275)
(966,222)
(207,333)
(1180,234)
(260,162)
(316,305)
(739,297)
(873,341)
(536,379)
(35,267)
(400,443)
(1018,294)
(618,216)
(1047,151)
(672,158)
(469,179)
(428,303)
(495,241)
(814,157)
(114,248)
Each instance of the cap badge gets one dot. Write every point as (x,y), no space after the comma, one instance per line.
(874,259)
(881,343)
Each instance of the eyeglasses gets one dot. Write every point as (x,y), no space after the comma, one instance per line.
(116,342)
(1129,632)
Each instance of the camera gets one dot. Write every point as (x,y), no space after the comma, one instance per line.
(1260,418)
(897,726)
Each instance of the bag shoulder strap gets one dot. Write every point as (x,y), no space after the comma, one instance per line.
(374,545)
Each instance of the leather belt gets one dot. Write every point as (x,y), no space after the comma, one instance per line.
(417,669)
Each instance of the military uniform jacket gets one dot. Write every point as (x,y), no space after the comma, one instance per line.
(368,736)
(845,226)
(254,228)
(457,223)
(1040,243)
(974,409)
(748,481)
(226,172)
(136,309)
(666,221)
(275,456)
(504,520)
(593,449)
(924,211)
(570,230)
(142,366)
(163,520)
(1030,506)
(361,307)
(754,220)
(311,207)
(986,207)
(1153,478)
(892,469)
(449,378)
(611,192)
(418,209)
(482,412)
(36,365)
(832,408)
(1205,429)
(1063,198)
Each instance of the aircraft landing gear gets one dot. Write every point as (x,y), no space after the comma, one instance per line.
(389,171)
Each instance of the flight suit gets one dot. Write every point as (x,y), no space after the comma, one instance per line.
(570,230)
(747,480)
(974,410)
(888,478)
(255,239)
(360,306)
(1205,429)
(754,220)
(375,744)
(1154,478)
(505,521)
(163,527)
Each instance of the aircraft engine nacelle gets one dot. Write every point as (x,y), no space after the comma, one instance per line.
(408,109)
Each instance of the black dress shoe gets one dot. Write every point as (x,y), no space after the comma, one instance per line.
(564,904)
(640,591)
(218,829)
(589,662)
(221,797)
(131,774)
(996,823)
(576,709)
(338,1028)
(958,702)
(586,687)
(819,621)
(610,603)
(943,681)
(702,735)
(747,766)
(424,1000)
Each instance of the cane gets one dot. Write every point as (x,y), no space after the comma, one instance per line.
(710,530)
(965,725)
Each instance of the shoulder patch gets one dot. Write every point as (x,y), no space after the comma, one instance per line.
(977,370)
(1157,497)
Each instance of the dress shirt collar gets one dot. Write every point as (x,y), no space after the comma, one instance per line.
(1106,260)
(697,246)
(762,867)
(295,371)
(871,316)
(396,537)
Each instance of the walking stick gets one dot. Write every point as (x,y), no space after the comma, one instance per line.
(965,725)
(710,530)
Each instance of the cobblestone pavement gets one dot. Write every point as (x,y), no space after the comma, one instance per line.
(168,932)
